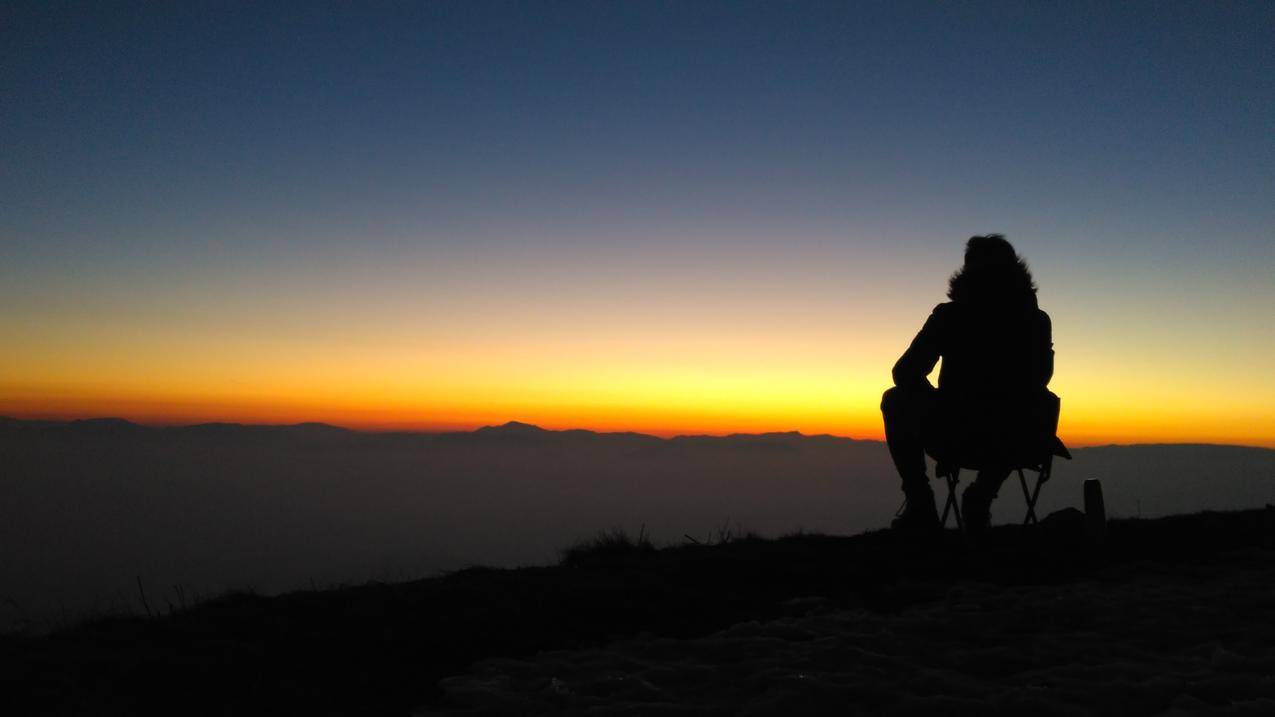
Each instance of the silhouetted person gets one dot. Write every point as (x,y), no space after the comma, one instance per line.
(991,404)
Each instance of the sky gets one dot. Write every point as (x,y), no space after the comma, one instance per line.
(668,217)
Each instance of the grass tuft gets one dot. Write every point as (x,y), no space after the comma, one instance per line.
(608,546)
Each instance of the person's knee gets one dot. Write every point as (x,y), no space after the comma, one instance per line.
(890,400)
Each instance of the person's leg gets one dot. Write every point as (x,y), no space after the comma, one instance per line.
(907,412)
(976,501)
(904,413)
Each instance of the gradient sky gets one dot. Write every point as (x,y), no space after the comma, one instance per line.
(667,217)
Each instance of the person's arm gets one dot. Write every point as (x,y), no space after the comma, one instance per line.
(918,361)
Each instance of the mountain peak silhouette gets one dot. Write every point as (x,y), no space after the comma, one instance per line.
(513,428)
(104,425)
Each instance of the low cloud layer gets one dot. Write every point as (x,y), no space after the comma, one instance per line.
(90,507)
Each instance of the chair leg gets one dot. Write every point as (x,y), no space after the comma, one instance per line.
(951,506)
(1030,496)
(1046,470)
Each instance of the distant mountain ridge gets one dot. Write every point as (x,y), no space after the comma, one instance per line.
(512,429)
(509,429)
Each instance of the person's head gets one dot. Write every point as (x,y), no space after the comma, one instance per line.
(990,250)
(993,273)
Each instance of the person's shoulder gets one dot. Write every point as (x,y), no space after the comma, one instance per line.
(944,316)
(942,312)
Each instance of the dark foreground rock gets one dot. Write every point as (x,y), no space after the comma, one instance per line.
(1169,615)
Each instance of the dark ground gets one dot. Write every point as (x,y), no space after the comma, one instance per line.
(1174,614)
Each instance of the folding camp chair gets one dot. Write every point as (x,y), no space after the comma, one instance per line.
(949,469)
(1033,454)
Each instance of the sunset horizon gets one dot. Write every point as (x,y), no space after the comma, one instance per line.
(284,418)
(714,357)
(457,213)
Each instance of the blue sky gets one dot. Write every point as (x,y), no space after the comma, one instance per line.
(204,155)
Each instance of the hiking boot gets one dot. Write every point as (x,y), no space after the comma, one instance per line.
(919,516)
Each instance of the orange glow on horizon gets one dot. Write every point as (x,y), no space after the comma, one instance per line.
(1082,425)
(690,361)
